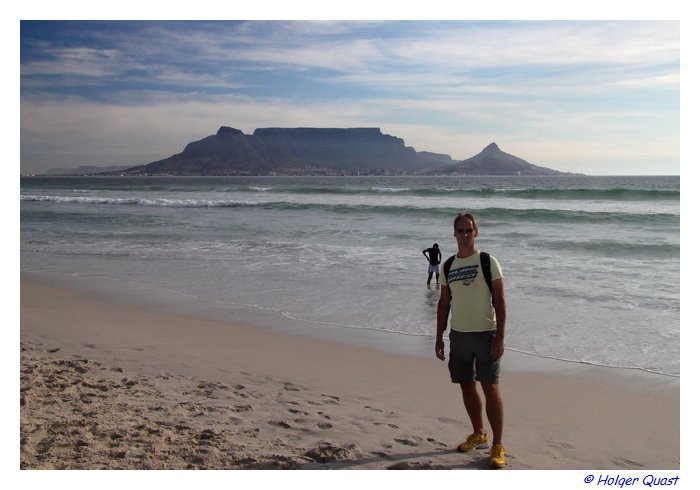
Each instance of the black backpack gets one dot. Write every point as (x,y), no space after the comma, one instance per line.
(485,267)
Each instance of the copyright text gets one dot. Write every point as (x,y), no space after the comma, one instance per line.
(650,481)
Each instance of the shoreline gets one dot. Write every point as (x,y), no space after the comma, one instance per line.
(271,400)
(275,322)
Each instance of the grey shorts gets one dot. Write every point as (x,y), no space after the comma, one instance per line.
(470,350)
(434,268)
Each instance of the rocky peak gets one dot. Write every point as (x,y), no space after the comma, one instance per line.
(226,131)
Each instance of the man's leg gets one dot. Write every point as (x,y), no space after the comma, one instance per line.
(494,410)
(472,402)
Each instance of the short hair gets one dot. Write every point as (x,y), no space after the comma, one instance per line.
(435,245)
(470,217)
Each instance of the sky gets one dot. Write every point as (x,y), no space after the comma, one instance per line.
(586,96)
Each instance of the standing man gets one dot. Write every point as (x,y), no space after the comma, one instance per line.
(434,257)
(477,334)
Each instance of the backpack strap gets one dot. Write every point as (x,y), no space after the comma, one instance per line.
(486,268)
(448,265)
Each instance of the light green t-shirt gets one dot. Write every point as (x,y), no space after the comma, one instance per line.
(471,307)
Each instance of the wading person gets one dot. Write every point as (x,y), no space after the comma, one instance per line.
(477,333)
(434,257)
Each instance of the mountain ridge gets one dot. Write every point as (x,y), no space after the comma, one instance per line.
(323,151)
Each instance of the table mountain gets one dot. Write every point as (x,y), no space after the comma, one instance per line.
(295,151)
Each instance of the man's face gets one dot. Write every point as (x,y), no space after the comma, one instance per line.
(465,232)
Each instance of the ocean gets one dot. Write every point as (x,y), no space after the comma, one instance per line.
(591,264)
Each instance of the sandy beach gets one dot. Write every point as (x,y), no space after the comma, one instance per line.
(110,385)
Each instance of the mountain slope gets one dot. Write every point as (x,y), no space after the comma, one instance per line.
(493,161)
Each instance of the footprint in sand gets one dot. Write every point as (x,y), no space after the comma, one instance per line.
(627,463)
(295,411)
(332,399)
(559,445)
(409,442)
(326,452)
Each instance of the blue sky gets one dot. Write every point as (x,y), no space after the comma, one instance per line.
(597,97)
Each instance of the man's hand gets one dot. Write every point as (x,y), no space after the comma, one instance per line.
(440,348)
(497,348)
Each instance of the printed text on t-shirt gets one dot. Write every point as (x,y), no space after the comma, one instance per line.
(465,274)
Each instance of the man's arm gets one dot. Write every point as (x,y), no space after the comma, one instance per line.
(443,312)
(499,304)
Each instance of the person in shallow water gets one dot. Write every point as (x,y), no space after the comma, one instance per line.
(476,335)
(434,257)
